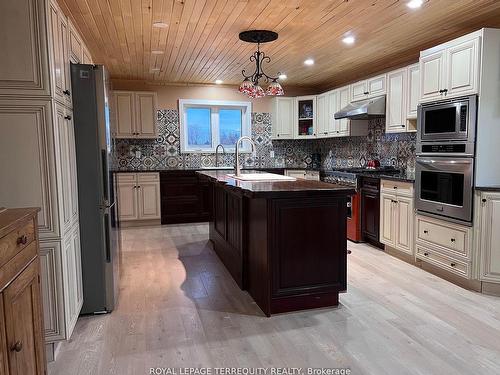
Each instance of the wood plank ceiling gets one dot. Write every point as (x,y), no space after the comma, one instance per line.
(201,41)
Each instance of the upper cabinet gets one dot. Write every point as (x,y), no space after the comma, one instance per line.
(75,44)
(413,91)
(135,114)
(451,69)
(368,88)
(24,62)
(283,117)
(305,120)
(395,116)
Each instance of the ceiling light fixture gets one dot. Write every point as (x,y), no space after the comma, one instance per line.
(349,39)
(160,25)
(414,4)
(250,85)
(282,76)
(309,62)
(157,52)
(219,81)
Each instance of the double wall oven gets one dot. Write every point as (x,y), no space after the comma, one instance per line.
(445,158)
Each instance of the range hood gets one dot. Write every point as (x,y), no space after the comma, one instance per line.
(363,109)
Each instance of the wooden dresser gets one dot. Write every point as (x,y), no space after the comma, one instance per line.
(22,349)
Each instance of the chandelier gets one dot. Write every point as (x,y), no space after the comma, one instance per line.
(250,85)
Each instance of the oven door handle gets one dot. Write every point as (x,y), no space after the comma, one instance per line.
(451,165)
(444,162)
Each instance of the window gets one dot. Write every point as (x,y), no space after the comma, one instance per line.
(207,123)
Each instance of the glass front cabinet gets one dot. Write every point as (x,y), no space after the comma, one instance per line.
(305,126)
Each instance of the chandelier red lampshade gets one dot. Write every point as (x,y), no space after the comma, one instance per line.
(250,85)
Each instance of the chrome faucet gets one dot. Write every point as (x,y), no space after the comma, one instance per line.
(217,154)
(237,167)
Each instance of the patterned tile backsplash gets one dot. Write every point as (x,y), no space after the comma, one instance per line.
(164,152)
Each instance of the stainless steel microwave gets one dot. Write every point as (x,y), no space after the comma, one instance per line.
(448,122)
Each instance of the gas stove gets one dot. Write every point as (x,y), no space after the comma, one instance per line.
(350,176)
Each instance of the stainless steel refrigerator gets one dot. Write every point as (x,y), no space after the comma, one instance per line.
(99,227)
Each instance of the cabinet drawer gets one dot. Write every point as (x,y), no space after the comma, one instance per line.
(15,241)
(443,261)
(453,238)
(397,187)
(126,177)
(148,177)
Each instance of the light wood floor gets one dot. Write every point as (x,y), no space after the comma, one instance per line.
(179,307)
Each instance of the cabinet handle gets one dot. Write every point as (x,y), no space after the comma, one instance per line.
(445,91)
(426,254)
(66,92)
(366,93)
(483,200)
(453,264)
(426,231)
(395,187)
(441,91)
(17,347)
(452,240)
(67,117)
(403,126)
(23,240)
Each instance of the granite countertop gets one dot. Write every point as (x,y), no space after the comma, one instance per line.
(277,188)
(494,188)
(402,176)
(212,169)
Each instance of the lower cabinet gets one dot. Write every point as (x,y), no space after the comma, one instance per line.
(489,236)
(21,333)
(445,245)
(397,216)
(138,196)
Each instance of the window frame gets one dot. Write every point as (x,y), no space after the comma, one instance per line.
(214,106)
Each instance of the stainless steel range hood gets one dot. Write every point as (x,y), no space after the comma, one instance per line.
(363,109)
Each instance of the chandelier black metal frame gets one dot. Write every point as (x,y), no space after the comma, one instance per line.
(250,84)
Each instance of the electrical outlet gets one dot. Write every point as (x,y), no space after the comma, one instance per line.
(271,153)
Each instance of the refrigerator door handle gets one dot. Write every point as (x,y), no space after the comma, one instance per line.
(107,238)
(104,161)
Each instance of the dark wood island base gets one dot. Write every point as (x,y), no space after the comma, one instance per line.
(285,242)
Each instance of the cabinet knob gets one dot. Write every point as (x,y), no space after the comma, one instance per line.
(483,200)
(426,231)
(453,264)
(440,91)
(66,92)
(17,347)
(366,93)
(452,240)
(403,126)
(23,240)
(67,117)
(426,254)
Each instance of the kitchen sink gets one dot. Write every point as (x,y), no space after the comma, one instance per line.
(261,177)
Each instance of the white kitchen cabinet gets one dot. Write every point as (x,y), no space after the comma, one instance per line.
(305,117)
(397,215)
(283,117)
(451,69)
(322,111)
(368,88)
(75,44)
(342,127)
(135,114)
(138,196)
(413,91)
(395,120)
(489,237)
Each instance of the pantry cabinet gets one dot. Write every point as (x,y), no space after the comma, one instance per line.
(138,196)
(135,114)
(368,88)
(283,117)
(397,215)
(489,236)
(451,69)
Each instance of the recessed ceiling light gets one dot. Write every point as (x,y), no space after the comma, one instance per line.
(282,76)
(309,62)
(161,25)
(219,81)
(157,52)
(414,4)
(349,39)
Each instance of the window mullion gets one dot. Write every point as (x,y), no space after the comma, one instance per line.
(215,128)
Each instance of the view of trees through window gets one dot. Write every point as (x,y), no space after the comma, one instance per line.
(200,127)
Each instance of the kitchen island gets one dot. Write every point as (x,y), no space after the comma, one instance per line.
(282,241)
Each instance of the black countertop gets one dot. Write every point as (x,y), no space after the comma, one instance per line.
(276,188)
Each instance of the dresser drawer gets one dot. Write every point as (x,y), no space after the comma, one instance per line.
(443,261)
(16,241)
(397,187)
(454,238)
